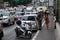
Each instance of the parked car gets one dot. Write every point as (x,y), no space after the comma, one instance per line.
(8,17)
(29,19)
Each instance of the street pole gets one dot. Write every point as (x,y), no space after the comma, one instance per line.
(56,9)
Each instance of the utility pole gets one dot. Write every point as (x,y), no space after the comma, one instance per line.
(58,10)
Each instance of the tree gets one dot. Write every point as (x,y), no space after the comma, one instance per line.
(19,2)
(25,2)
(6,0)
(1,0)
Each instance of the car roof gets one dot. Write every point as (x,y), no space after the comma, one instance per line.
(29,8)
(43,7)
(30,15)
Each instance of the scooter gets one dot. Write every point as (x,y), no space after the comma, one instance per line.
(23,32)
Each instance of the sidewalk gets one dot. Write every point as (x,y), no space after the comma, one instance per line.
(57,31)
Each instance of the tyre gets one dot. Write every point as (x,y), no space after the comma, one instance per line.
(29,36)
(16,31)
(1,38)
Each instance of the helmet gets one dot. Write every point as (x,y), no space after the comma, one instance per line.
(18,22)
(47,11)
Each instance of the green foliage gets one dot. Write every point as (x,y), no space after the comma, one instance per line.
(15,1)
(21,2)
(1,0)
(6,0)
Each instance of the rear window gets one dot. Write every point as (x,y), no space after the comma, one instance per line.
(28,18)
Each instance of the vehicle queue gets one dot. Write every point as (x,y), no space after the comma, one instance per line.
(27,16)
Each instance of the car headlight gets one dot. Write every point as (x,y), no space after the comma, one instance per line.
(35,24)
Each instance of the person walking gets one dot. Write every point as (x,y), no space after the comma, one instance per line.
(39,18)
(46,18)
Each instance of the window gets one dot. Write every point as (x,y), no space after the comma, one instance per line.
(28,18)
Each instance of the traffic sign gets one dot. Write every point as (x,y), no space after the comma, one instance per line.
(41,0)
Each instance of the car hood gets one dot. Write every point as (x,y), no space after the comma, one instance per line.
(24,22)
(29,23)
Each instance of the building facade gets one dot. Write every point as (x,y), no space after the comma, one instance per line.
(57,9)
(1,4)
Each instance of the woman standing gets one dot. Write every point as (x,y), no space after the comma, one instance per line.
(46,18)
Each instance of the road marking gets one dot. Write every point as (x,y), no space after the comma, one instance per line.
(35,35)
(43,23)
(9,30)
(34,38)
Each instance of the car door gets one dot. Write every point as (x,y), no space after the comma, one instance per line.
(36,21)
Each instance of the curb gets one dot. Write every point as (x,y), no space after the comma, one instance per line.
(57,31)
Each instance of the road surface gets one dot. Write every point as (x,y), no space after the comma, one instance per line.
(9,33)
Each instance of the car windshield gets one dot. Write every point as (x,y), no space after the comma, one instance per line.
(28,11)
(28,18)
(6,13)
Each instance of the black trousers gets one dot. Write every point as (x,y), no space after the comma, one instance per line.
(40,24)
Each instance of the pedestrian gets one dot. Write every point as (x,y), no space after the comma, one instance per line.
(46,18)
(39,18)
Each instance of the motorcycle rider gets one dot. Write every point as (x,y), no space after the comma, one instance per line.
(23,30)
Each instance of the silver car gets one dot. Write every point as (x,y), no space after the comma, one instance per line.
(29,21)
(8,18)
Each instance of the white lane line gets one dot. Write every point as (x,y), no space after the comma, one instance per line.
(35,35)
(34,38)
(43,23)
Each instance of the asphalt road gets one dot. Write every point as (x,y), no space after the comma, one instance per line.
(9,33)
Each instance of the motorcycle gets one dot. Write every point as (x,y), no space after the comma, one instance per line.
(23,32)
